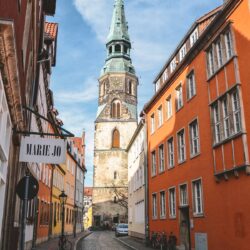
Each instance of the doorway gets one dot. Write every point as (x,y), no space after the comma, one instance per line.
(185,228)
(97,220)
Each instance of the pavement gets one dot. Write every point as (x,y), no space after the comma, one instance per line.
(52,244)
(106,240)
(133,243)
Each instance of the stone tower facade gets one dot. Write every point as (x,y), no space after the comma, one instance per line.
(115,124)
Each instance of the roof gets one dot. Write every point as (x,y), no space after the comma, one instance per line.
(88,191)
(51,30)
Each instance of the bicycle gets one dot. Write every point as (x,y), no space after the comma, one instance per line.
(64,243)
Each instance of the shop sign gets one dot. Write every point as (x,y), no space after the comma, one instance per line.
(42,150)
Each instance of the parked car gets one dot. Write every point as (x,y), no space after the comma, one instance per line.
(121,229)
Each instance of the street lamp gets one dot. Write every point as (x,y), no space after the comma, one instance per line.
(118,215)
(75,210)
(63,199)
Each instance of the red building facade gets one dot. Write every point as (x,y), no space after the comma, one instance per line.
(198,142)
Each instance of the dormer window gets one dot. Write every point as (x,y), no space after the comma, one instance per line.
(183,52)
(117,48)
(194,37)
(157,85)
(173,65)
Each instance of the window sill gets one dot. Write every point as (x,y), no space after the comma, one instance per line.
(169,118)
(199,215)
(161,172)
(195,155)
(154,218)
(180,108)
(221,67)
(191,98)
(163,217)
(153,176)
(170,168)
(172,217)
(181,162)
(234,136)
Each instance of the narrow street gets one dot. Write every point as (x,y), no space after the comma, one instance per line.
(101,240)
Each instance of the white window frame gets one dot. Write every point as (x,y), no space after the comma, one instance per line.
(181,145)
(173,65)
(194,37)
(228,44)
(153,163)
(183,199)
(179,97)
(162,204)
(219,52)
(194,138)
(217,122)
(154,206)
(161,158)
(183,52)
(226,119)
(191,85)
(160,116)
(169,107)
(152,118)
(170,142)
(210,61)
(172,202)
(157,85)
(165,75)
(236,111)
(198,208)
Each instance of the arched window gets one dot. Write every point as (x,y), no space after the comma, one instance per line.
(130,87)
(116,139)
(116,109)
(117,48)
(115,175)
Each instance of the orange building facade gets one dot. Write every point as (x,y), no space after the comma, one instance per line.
(198,144)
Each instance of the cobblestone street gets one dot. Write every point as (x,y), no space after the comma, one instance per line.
(101,240)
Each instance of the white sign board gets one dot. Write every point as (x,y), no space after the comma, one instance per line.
(43,150)
(201,241)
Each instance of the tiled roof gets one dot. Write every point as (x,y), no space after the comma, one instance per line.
(51,30)
(88,191)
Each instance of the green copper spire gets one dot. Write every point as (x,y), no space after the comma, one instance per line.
(118,43)
(119,27)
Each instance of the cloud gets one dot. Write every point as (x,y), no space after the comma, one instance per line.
(88,92)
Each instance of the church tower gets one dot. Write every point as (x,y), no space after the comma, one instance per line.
(115,124)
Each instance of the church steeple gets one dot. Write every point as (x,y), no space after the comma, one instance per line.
(118,43)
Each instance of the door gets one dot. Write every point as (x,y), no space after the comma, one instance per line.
(97,220)
(185,228)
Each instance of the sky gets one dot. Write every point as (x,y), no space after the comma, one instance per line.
(155,28)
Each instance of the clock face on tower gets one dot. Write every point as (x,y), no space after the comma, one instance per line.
(117,83)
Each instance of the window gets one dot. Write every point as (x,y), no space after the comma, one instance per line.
(116,139)
(173,65)
(171,153)
(157,85)
(210,61)
(194,37)
(219,53)
(161,159)
(110,50)
(169,107)
(152,123)
(229,47)
(115,175)
(179,97)
(154,206)
(153,164)
(130,87)
(225,118)
(181,146)
(172,203)
(118,48)
(194,138)
(191,88)
(183,195)
(183,52)
(197,198)
(165,75)
(160,116)
(216,116)
(236,112)
(116,109)
(162,204)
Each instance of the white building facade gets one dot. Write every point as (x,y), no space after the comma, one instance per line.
(136,182)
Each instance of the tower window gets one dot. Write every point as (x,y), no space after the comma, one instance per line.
(115,175)
(110,50)
(115,141)
(116,109)
(130,87)
(117,48)
(103,89)
(125,49)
